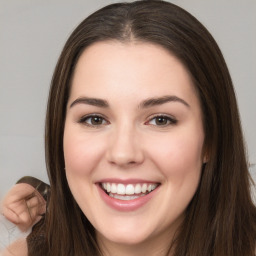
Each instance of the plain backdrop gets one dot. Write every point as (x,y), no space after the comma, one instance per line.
(32,34)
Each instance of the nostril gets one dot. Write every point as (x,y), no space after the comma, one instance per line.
(132,163)
(124,163)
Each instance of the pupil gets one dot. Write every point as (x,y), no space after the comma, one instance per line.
(96,120)
(161,120)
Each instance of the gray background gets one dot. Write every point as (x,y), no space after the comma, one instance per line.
(32,33)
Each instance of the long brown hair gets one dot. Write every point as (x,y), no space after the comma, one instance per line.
(220,219)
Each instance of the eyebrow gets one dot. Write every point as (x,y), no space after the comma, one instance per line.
(162,100)
(145,104)
(90,101)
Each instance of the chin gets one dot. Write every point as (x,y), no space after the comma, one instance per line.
(125,237)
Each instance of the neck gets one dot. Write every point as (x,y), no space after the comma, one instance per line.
(128,250)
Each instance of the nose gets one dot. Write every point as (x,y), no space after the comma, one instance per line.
(124,147)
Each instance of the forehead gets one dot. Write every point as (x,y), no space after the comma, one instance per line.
(134,68)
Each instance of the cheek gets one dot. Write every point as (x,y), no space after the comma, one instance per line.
(81,153)
(179,155)
(180,163)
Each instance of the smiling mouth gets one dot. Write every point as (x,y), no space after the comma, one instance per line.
(128,191)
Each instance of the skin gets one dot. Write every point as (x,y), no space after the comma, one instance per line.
(23,206)
(18,248)
(130,144)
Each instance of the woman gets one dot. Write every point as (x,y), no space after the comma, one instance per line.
(144,147)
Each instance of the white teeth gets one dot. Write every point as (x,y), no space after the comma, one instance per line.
(144,188)
(113,188)
(137,189)
(126,198)
(154,186)
(121,189)
(129,189)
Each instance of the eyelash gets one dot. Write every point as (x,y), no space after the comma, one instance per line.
(84,120)
(168,119)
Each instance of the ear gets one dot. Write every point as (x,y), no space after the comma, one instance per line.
(206,157)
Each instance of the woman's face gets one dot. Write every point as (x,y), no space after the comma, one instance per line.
(133,141)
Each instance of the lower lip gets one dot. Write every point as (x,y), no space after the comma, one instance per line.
(126,205)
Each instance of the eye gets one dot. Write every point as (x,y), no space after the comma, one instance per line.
(93,120)
(161,120)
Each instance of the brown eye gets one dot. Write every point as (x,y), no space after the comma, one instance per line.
(96,120)
(93,120)
(162,121)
